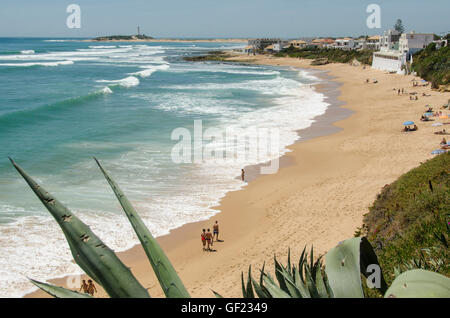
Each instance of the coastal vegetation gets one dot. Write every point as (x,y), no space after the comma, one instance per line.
(340,277)
(331,54)
(210,56)
(408,224)
(433,65)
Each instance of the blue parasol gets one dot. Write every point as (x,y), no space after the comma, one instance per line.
(407,123)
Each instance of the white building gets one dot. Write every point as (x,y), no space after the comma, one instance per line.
(298,44)
(389,40)
(410,43)
(391,61)
(374,43)
(397,49)
(345,44)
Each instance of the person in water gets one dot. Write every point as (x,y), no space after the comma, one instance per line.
(84,287)
(203,236)
(216,231)
(243,174)
(91,288)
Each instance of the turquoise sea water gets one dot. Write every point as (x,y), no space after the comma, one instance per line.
(64,101)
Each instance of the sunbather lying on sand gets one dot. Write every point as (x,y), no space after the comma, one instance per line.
(441,132)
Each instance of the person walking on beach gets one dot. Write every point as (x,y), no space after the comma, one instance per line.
(398,92)
(209,242)
(91,288)
(243,174)
(216,231)
(203,236)
(84,287)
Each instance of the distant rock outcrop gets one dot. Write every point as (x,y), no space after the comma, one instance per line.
(123,38)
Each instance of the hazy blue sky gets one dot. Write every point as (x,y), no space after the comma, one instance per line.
(213,18)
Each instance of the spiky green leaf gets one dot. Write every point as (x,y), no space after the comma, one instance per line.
(167,276)
(58,292)
(89,252)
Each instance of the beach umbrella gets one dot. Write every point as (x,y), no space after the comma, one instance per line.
(437,124)
(443,117)
(438,152)
(428,114)
(407,123)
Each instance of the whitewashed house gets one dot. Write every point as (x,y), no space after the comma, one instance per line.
(410,43)
(391,61)
(298,44)
(361,44)
(374,43)
(389,40)
(345,44)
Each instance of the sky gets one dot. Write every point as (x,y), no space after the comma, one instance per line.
(221,19)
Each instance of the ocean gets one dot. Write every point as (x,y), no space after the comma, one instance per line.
(63,101)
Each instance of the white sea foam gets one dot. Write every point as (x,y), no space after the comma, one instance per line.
(129,81)
(150,69)
(106,90)
(27,52)
(38,64)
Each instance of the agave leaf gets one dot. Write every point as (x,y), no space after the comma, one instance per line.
(244,293)
(167,276)
(90,253)
(289,261)
(274,290)
(329,290)
(249,293)
(261,274)
(320,285)
(310,283)
(58,292)
(260,290)
(216,294)
(419,283)
(279,275)
(301,263)
(345,262)
(292,288)
(301,285)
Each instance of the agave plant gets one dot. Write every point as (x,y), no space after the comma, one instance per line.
(341,277)
(98,260)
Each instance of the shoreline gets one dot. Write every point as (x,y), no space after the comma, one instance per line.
(274,212)
(321,126)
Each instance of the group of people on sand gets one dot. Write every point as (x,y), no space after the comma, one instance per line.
(408,128)
(88,288)
(208,238)
(373,82)
(400,91)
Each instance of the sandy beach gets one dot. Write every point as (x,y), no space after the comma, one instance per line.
(319,196)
